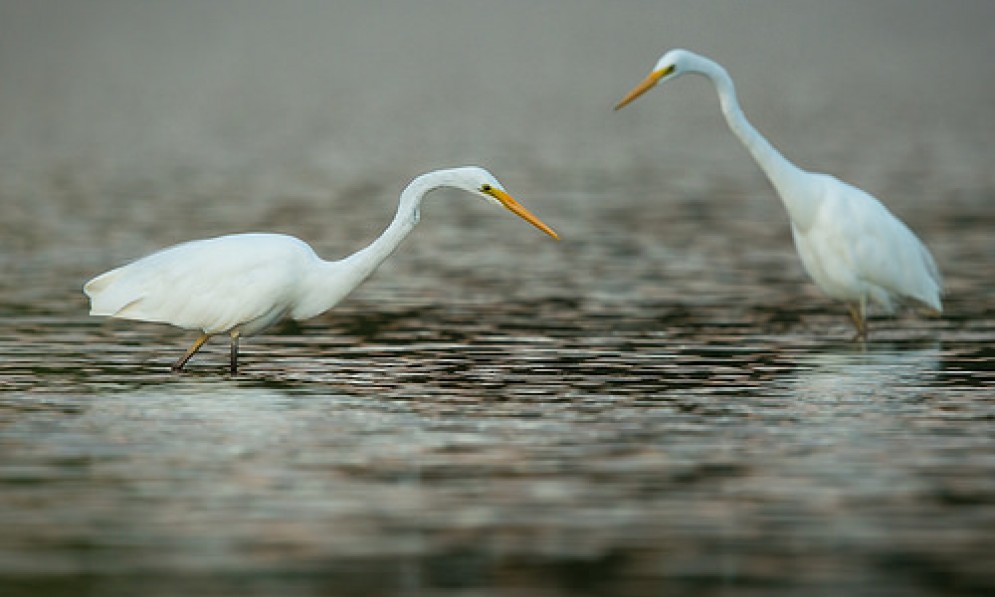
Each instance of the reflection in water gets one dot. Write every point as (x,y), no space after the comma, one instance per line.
(857,407)
(865,371)
(470,453)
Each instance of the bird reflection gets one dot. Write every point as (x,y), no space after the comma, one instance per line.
(856,371)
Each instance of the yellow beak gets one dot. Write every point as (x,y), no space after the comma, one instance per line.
(644,86)
(519,210)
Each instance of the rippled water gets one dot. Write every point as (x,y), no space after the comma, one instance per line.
(633,450)
(660,403)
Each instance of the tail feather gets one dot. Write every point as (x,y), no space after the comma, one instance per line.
(107,298)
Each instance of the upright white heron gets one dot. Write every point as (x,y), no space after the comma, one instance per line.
(854,249)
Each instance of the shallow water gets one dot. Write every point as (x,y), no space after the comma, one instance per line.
(660,403)
(623,450)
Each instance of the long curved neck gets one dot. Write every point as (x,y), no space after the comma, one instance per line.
(364,262)
(784,175)
(332,281)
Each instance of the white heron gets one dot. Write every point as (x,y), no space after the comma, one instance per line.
(241,284)
(854,249)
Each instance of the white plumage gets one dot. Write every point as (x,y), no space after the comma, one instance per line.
(243,283)
(192,285)
(854,249)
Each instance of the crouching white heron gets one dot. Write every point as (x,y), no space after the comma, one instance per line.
(242,283)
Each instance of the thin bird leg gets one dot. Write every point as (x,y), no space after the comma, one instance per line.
(234,353)
(858,313)
(178,365)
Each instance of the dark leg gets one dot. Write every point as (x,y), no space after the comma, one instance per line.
(234,354)
(858,313)
(178,365)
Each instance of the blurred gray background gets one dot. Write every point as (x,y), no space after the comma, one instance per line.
(128,125)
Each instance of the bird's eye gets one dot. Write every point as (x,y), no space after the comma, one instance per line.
(485,187)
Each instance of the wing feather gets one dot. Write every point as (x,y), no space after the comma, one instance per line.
(213,285)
